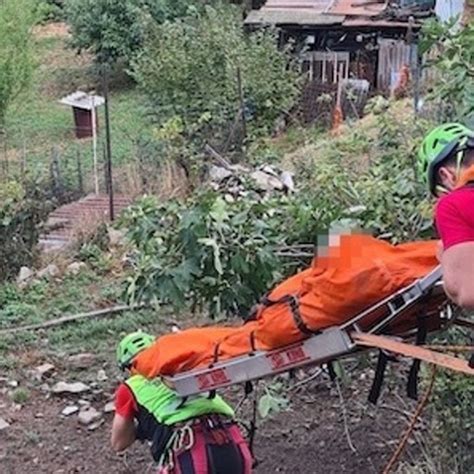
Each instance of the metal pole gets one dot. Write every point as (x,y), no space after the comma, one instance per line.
(105,85)
(414,63)
(94,143)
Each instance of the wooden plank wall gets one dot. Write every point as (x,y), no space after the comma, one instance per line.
(393,55)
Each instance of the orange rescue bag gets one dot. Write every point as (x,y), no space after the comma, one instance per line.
(353,276)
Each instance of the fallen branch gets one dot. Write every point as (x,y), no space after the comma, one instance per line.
(217,156)
(419,409)
(74,317)
(306,380)
(344,416)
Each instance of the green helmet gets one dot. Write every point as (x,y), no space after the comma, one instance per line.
(131,345)
(442,143)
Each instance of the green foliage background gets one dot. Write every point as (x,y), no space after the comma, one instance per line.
(189,70)
(17,18)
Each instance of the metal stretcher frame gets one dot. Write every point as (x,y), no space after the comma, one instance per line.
(328,345)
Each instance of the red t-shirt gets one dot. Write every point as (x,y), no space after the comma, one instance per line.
(125,404)
(455,217)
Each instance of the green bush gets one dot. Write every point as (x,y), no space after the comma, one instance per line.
(22,208)
(218,255)
(51,10)
(454,66)
(16,51)
(109,29)
(189,70)
(114,29)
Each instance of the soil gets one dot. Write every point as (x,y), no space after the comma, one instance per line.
(308,438)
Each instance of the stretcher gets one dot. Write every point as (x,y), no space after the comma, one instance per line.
(425,298)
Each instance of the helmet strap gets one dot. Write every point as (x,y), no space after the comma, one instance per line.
(440,190)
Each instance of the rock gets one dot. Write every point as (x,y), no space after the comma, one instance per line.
(51,271)
(25,276)
(109,407)
(269,170)
(12,383)
(117,237)
(239,169)
(287,179)
(95,425)
(81,361)
(75,268)
(44,370)
(101,375)
(84,403)
(266,182)
(88,415)
(39,415)
(3,424)
(70,410)
(219,173)
(65,387)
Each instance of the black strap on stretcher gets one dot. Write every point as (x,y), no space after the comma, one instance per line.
(384,358)
(293,303)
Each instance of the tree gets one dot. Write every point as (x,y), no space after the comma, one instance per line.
(454,63)
(17,18)
(190,68)
(114,29)
(109,29)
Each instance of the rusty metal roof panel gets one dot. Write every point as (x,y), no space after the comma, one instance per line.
(291,17)
(367,22)
(367,8)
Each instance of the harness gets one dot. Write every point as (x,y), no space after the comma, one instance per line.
(183,438)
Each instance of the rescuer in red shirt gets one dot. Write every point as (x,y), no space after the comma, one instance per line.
(446,160)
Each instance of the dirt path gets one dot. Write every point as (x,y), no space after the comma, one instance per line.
(309,438)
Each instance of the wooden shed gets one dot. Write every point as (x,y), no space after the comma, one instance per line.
(84,108)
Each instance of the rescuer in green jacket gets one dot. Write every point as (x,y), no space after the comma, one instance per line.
(193,436)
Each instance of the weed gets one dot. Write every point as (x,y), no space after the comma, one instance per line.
(32,437)
(20,395)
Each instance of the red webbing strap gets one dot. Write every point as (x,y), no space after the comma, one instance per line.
(416,352)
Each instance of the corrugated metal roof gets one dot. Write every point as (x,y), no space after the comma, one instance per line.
(316,5)
(357,8)
(291,17)
(361,22)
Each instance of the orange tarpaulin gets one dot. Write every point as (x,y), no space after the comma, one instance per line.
(352,276)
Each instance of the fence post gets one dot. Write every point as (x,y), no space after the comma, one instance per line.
(105,85)
(56,173)
(3,141)
(80,182)
(23,164)
(242,105)
(106,171)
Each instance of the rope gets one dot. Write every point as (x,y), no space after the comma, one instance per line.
(403,441)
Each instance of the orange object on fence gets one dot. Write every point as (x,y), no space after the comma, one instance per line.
(350,278)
